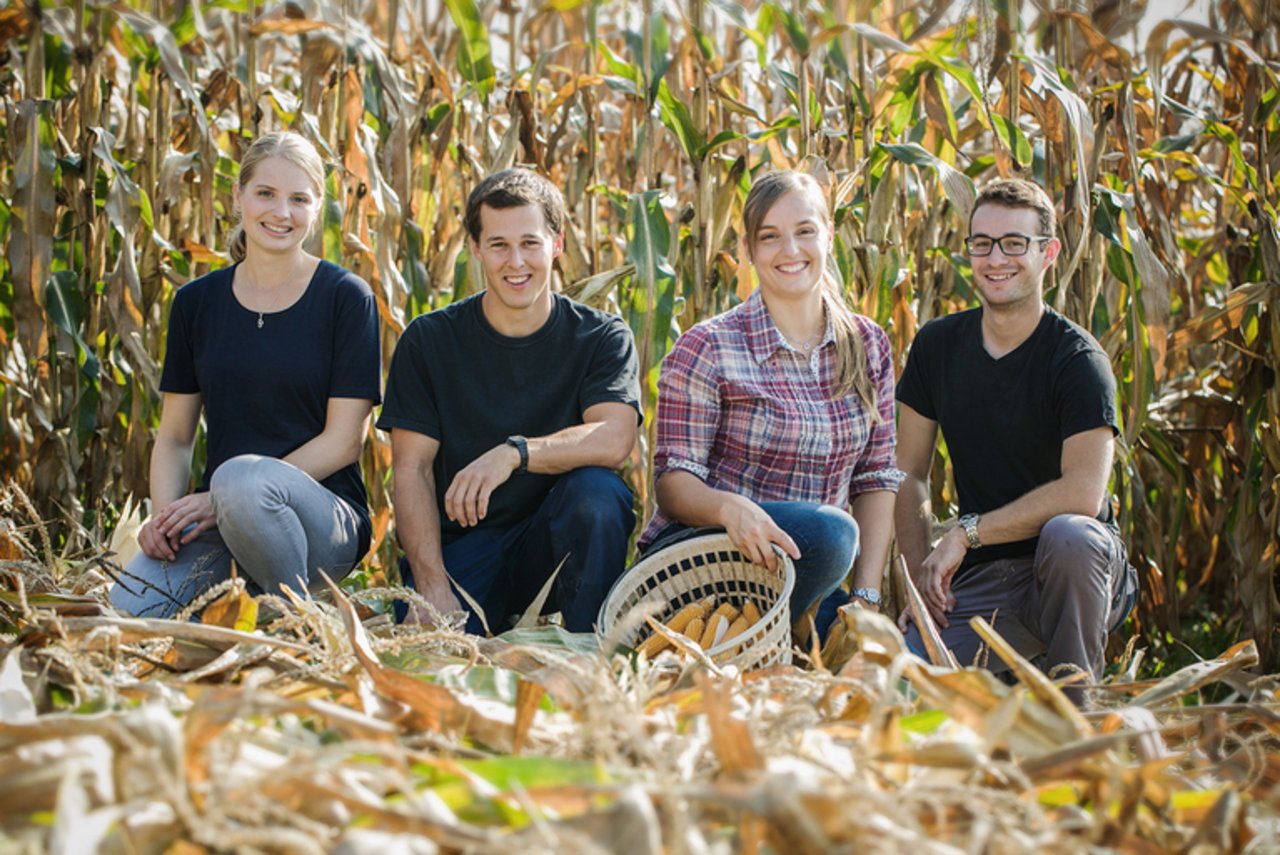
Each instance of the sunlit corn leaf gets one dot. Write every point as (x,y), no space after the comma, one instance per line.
(474,62)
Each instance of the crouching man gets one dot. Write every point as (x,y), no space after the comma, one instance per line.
(508,412)
(1026,401)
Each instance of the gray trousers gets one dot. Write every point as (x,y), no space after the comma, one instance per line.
(1062,603)
(277,522)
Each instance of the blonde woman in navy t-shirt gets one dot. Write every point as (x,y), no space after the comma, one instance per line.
(279,352)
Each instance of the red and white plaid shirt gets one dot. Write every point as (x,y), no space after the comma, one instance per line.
(748,413)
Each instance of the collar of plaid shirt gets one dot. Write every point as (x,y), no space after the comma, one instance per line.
(763,336)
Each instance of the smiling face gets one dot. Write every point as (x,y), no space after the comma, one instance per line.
(516,250)
(1009,282)
(790,246)
(279,205)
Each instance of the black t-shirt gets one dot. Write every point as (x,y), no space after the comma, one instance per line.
(1004,420)
(266,390)
(458,380)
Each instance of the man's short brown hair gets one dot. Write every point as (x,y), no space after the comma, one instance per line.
(1018,193)
(512,188)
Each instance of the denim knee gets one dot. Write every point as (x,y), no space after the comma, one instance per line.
(240,485)
(592,497)
(838,528)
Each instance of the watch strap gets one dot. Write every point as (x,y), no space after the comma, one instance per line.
(871,595)
(970,524)
(521,445)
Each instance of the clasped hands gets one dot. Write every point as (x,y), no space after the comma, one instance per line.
(167,530)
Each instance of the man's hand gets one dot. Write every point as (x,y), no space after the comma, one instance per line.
(466,502)
(753,531)
(933,579)
(439,595)
(165,533)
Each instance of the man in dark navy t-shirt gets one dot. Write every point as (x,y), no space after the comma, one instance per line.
(508,412)
(1026,401)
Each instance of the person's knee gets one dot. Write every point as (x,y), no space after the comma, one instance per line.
(1077,537)
(594,497)
(837,530)
(240,485)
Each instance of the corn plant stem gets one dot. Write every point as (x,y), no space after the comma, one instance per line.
(251,66)
(802,88)
(650,150)
(701,183)
(592,140)
(393,18)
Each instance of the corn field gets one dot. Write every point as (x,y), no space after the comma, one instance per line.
(123,124)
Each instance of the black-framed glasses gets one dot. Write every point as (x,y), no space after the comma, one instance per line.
(1014,243)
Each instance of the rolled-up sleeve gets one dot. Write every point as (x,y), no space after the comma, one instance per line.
(877,468)
(688,405)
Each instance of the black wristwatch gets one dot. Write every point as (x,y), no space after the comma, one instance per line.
(521,445)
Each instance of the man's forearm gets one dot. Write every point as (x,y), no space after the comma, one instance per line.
(913,520)
(1023,518)
(601,443)
(418,526)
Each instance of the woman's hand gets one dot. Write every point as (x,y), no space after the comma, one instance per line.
(165,533)
(754,532)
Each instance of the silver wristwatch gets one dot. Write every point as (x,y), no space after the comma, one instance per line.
(871,595)
(969,522)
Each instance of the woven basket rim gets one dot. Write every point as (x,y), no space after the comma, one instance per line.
(703,544)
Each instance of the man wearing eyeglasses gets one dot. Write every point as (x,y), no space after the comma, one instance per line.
(1026,401)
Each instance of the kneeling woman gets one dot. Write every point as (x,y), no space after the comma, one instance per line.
(775,419)
(280,351)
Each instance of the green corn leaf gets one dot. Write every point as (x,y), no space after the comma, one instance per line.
(675,115)
(474,61)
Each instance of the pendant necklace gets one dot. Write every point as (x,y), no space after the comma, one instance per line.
(257,287)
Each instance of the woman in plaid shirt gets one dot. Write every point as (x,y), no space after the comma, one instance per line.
(775,419)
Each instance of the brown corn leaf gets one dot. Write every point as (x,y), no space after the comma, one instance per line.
(431,707)
(1191,678)
(235,610)
(939,653)
(528,696)
(730,737)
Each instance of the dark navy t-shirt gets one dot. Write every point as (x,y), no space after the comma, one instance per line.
(266,390)
(1004,420)
(458,380)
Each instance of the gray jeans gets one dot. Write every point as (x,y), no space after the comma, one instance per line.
(277,522)
(1062,603)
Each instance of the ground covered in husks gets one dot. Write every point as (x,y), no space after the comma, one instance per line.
(316,725)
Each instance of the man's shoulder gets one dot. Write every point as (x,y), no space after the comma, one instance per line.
(580,316)
(946,327)
(443,319)
(1071,335)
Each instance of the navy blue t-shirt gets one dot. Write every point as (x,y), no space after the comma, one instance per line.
(1005,420)
(458,380)
(266,390)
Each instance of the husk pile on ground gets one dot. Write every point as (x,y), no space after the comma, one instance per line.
(315,725)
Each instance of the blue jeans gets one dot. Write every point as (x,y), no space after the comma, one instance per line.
(828,542)
(584,522)
(277,522)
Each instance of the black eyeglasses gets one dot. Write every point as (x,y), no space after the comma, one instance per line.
(1014,243)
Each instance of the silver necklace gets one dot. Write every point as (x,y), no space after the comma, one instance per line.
(806,346)
(258,287)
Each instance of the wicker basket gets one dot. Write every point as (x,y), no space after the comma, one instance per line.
(709,565)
